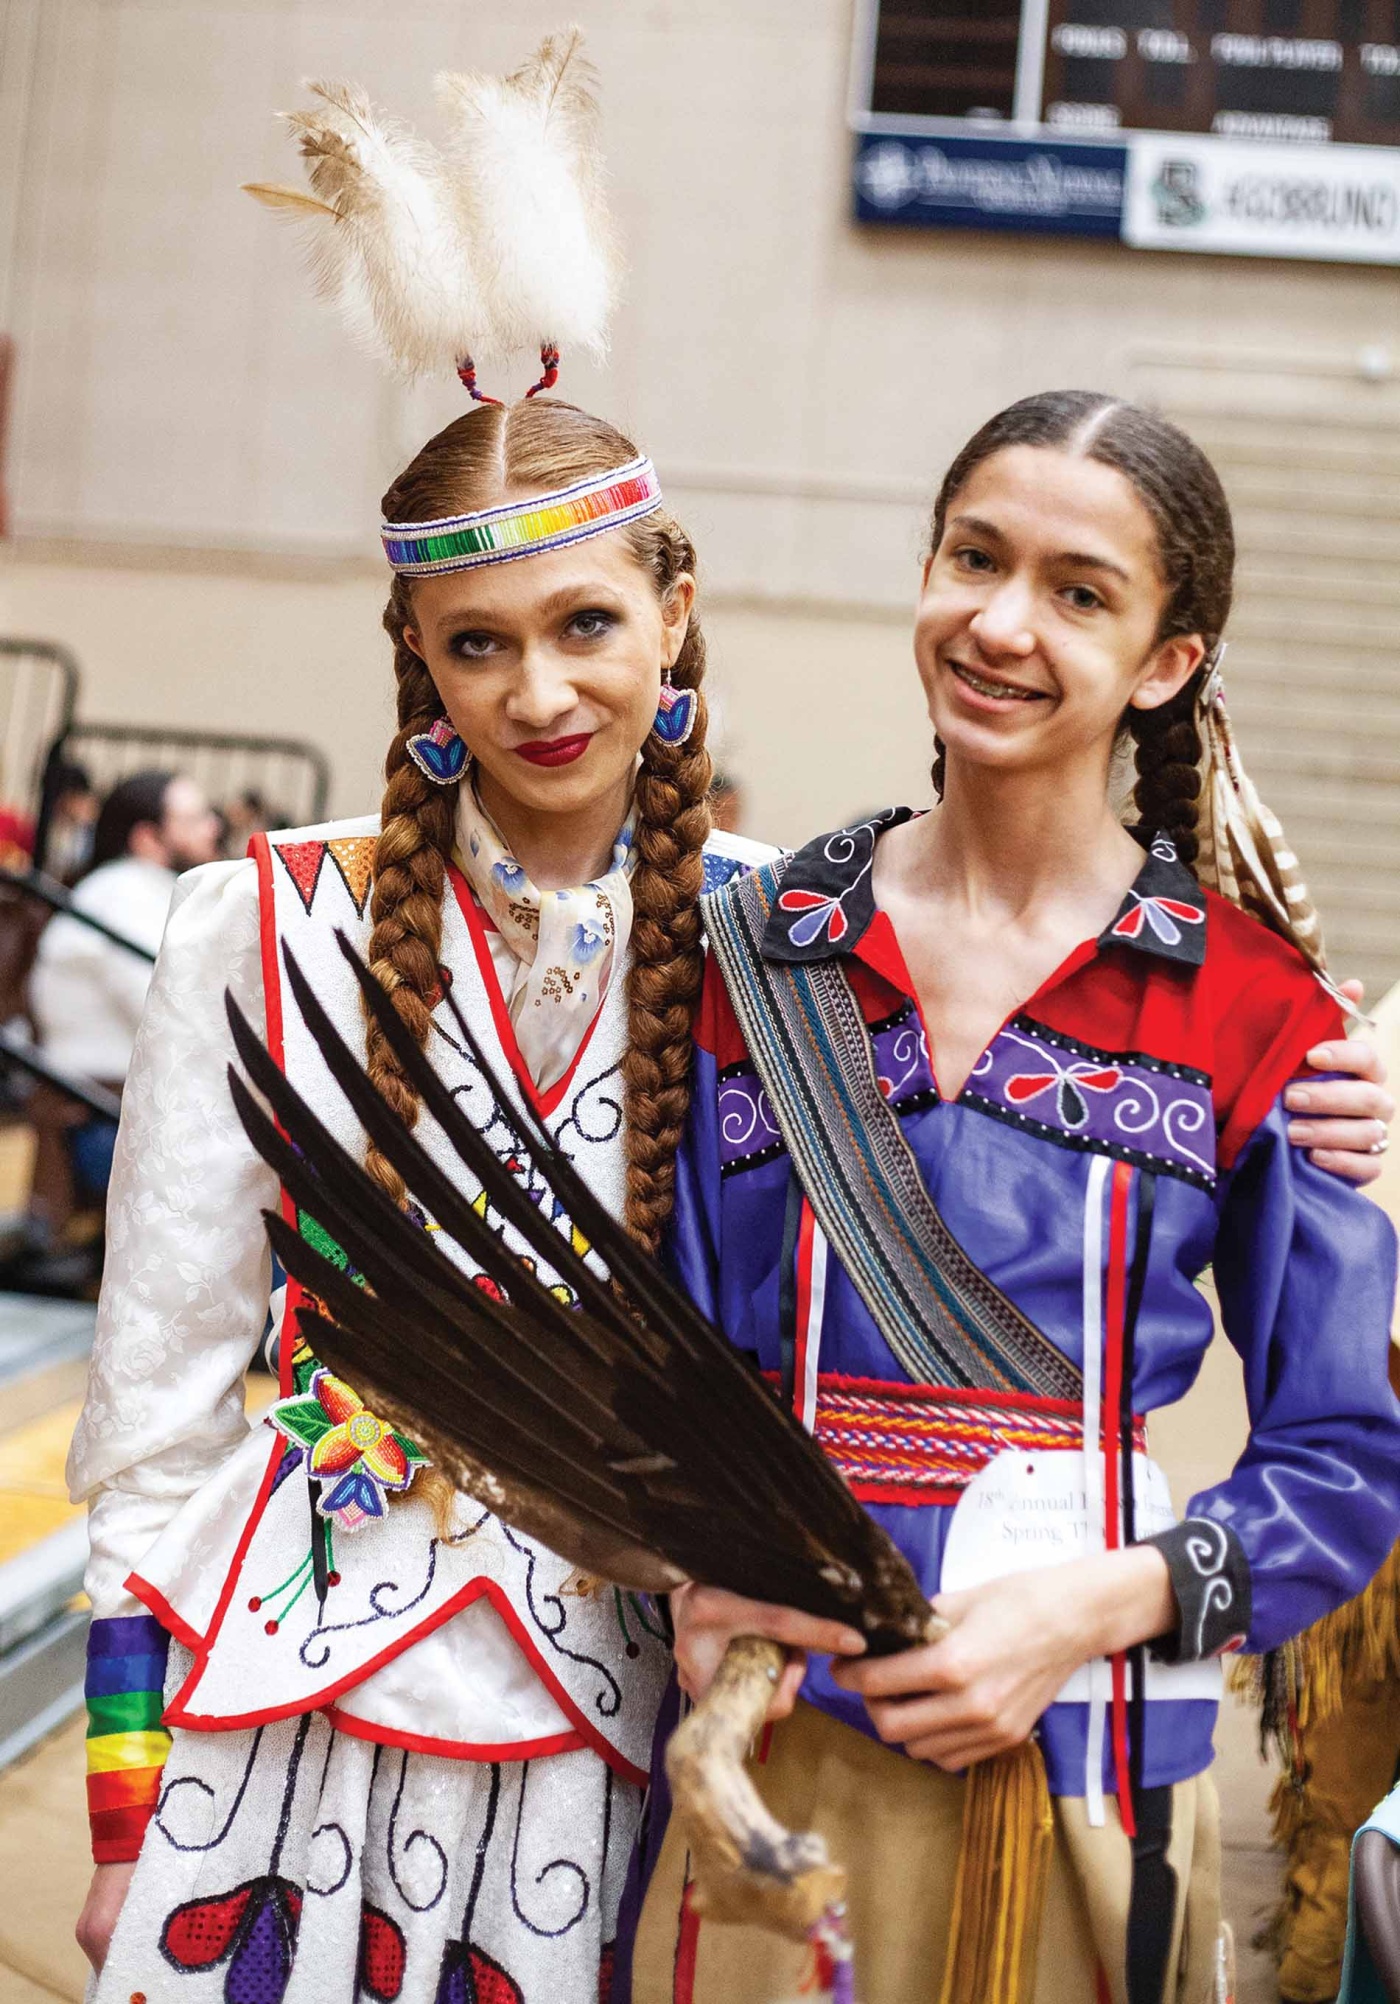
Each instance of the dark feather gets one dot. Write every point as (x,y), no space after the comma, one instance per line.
(625,1432)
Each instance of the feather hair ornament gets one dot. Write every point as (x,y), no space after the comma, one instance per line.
(386,242)
(1243,852)
(527,171)
(593,1429)
(496,243)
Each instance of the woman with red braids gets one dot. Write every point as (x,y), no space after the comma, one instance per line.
(350,1735)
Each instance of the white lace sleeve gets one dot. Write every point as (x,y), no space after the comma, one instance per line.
(185,1291)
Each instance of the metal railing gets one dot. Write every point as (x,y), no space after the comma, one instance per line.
(16,1049)
(291,776)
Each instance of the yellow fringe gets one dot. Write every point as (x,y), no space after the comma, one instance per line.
(1003,1873)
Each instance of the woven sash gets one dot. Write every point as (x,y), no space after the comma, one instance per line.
(944,1320)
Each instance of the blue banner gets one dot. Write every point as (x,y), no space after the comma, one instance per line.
(991,184)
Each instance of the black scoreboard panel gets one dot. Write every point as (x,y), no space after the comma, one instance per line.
(946,58)
(1265,69)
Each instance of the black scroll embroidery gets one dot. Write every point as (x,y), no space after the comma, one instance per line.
(194,1781)
(414,1837)
(378,1612)
(595,1116)
(554,1865)
(607,1702)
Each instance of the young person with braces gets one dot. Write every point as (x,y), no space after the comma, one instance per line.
(979,1095)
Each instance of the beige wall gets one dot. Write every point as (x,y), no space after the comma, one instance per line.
(819,706)
(799,382)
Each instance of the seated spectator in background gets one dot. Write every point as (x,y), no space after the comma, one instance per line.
(86,993)
(249,814)
(72,821)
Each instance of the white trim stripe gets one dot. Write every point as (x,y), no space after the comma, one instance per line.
(812,1334)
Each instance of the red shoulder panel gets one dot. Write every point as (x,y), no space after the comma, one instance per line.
(1269,1009)
(716,1026)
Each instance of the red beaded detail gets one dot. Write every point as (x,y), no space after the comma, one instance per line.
(466,375)
(549,356)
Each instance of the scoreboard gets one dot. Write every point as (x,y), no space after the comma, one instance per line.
(1257,127)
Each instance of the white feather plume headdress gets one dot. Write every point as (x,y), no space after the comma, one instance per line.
(496,242)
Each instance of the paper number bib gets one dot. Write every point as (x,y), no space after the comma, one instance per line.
(1025,1512)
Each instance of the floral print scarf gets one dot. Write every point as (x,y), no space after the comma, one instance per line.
(565,945)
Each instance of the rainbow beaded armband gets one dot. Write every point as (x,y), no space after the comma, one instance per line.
(126,1742)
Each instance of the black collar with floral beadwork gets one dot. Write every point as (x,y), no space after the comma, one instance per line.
(826,901)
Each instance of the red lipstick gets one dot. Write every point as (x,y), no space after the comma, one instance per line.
(555,751)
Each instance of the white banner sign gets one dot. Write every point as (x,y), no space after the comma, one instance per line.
(1187,192)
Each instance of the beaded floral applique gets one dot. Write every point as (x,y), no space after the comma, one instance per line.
(355,1461)
(358,1458)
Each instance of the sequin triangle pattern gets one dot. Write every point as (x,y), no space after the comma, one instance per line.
(353,856)
(303,862)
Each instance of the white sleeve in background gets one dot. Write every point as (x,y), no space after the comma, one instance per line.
(86,992)
(185,1290)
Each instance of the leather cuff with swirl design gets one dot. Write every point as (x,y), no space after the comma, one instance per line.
(1214,1597)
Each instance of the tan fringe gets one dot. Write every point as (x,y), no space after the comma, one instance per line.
(1288,1811)
(1003,1874)
(1305,1682)
(1358,1644)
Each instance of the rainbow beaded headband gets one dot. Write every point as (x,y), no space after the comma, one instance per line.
(523,528)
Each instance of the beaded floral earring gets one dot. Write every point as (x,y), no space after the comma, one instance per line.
(439,753)
(675,713)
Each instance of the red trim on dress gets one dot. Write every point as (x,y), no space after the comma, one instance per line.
(152,1598)
(806,1243)
(544,1103)
(260,849)
(177,1713)
(484,1750)
(204,1646)
(687,1950)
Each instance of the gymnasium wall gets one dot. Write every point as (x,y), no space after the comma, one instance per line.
(196,452)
